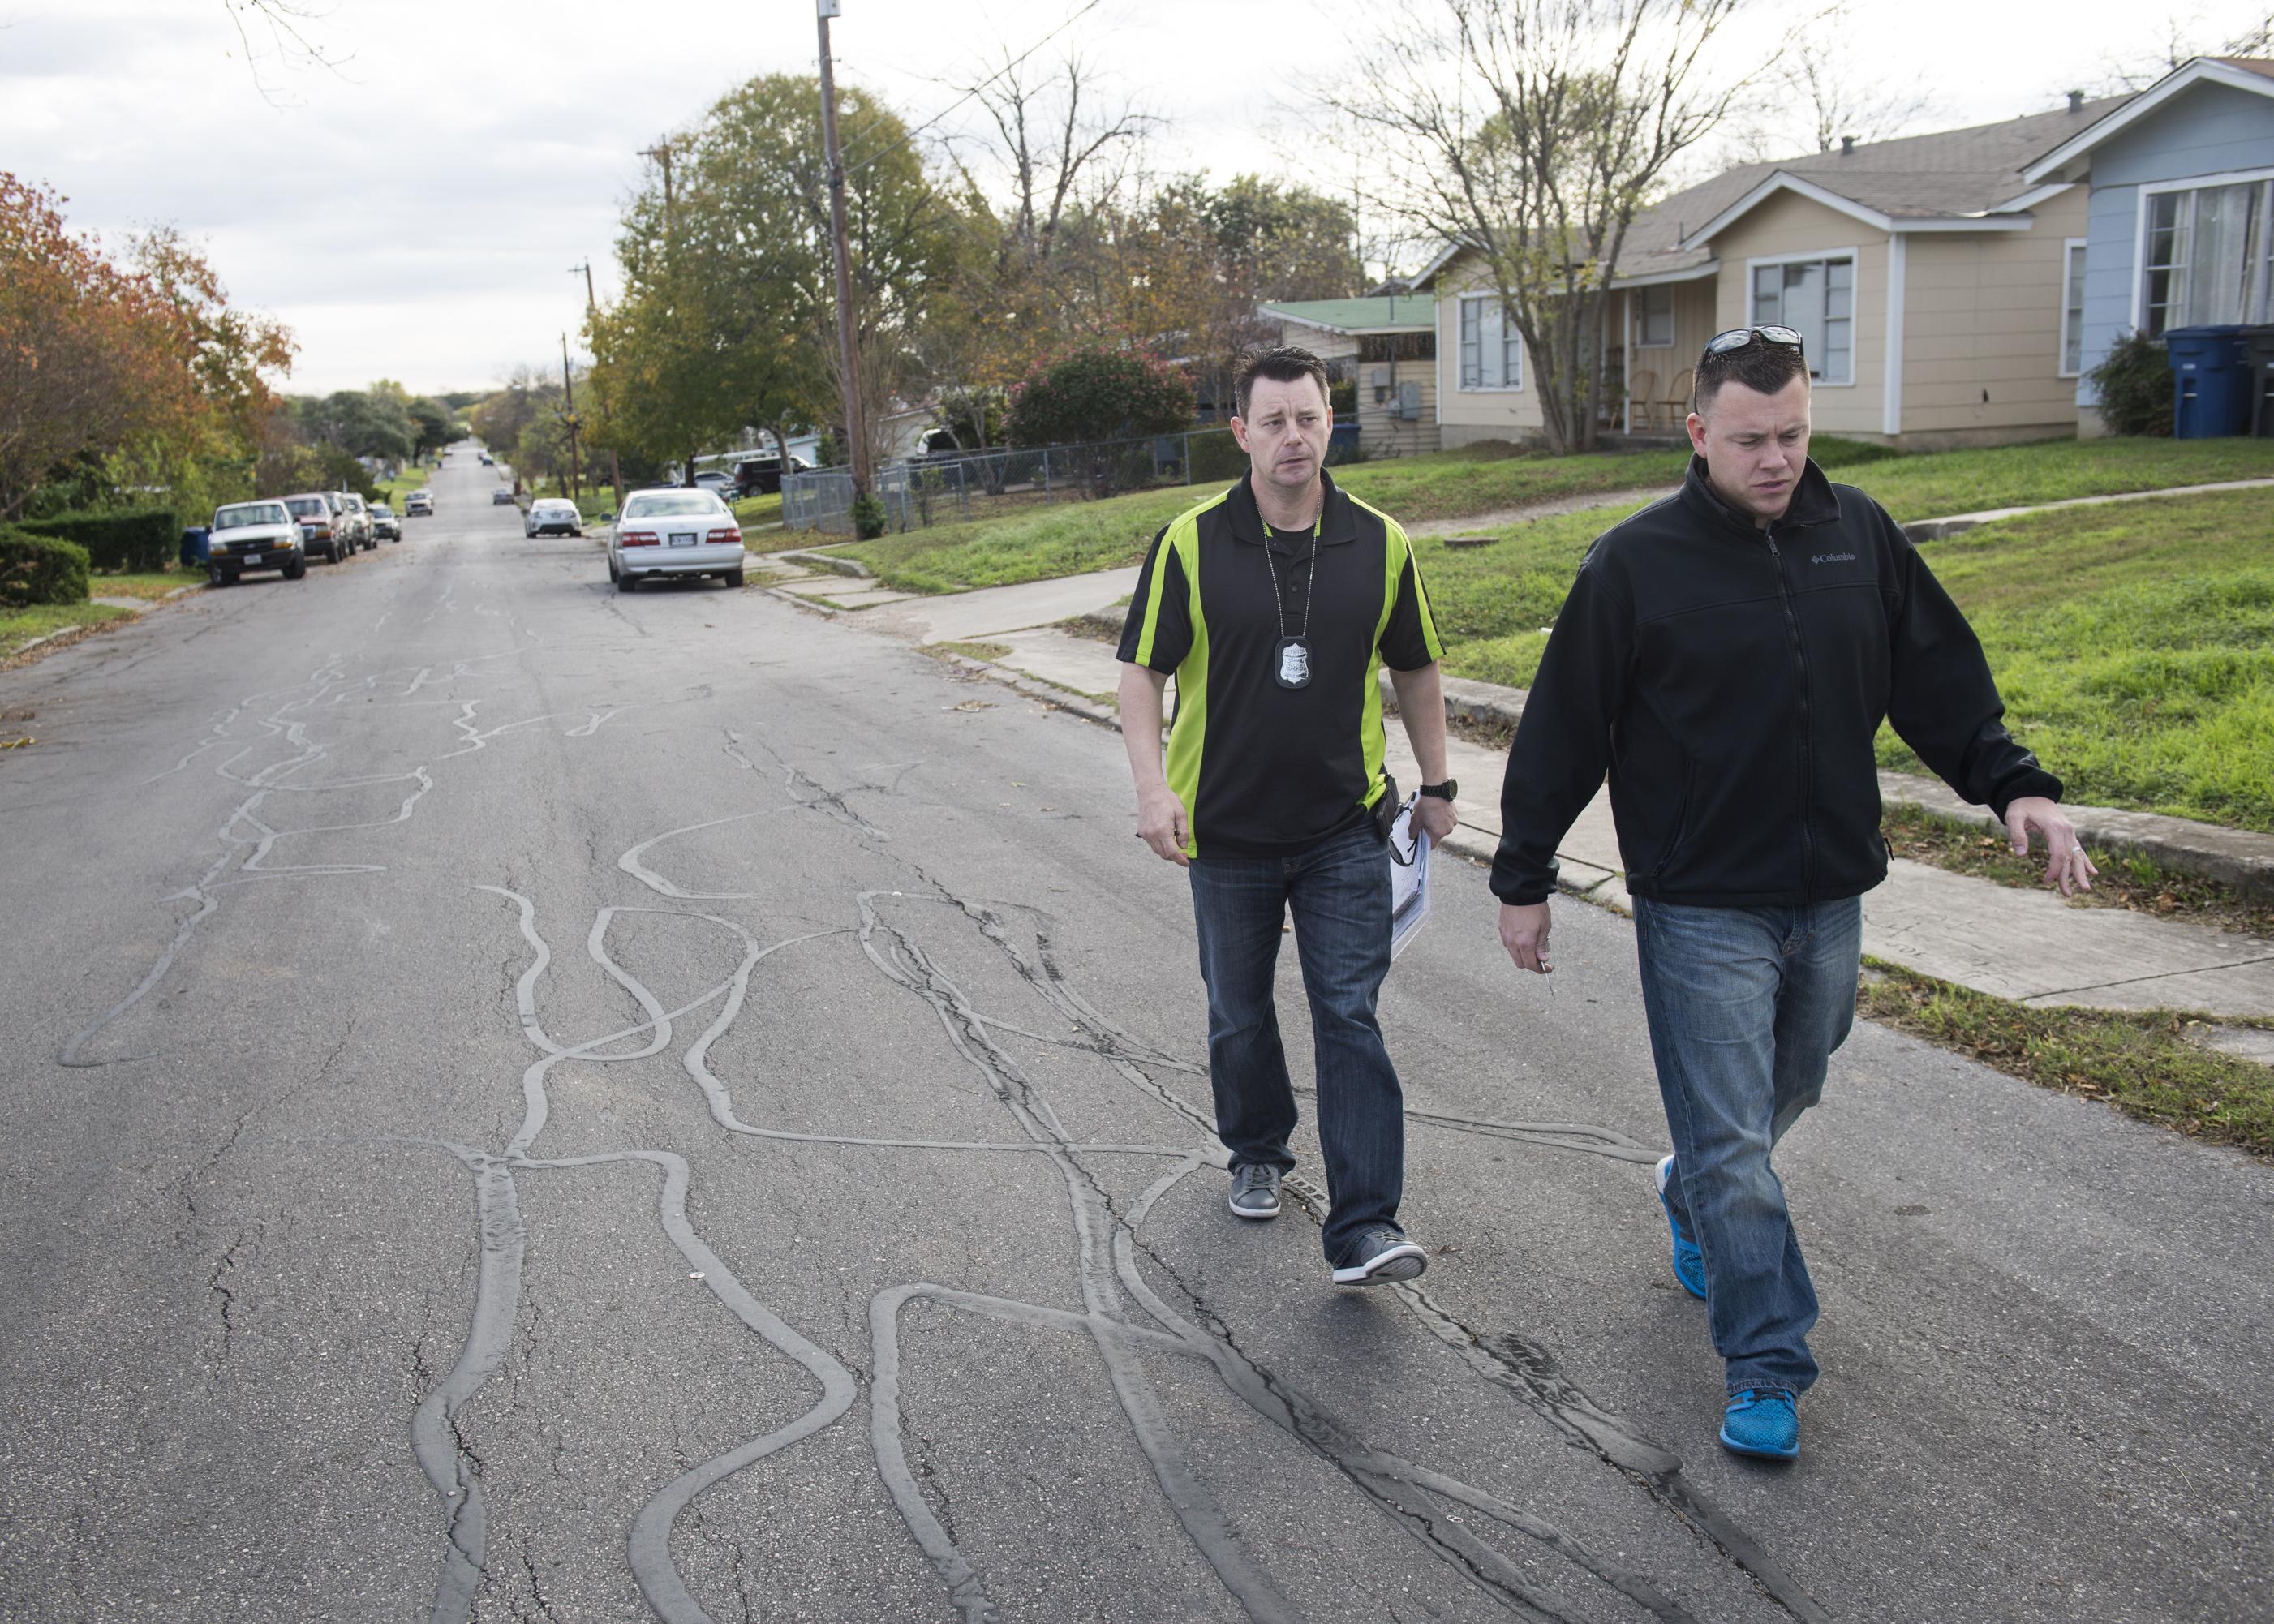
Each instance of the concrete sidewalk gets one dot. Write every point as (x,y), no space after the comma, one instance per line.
(2026,945)
(2029,945)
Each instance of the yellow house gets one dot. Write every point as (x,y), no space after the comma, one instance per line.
(1387,343)
(1936,292)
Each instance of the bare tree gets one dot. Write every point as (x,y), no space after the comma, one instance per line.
(289,26)
(2185,37)
(1058,139)
(1822,94)
(1533,132)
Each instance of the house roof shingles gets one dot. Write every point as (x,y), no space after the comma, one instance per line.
(1951,174)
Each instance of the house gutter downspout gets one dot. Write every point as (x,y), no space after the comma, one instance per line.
(1891,411)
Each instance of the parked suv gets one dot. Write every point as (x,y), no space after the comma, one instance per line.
(254,536)
(384,525)
(358,520)
(762,476)
(320,535)
(675,533)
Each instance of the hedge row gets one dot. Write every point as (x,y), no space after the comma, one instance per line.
(40,570)
(141,540)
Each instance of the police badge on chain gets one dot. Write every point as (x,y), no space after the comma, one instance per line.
(1293,669)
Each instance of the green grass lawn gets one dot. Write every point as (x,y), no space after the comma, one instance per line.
(2134,646)
(2134,643)
(149,583)
(394,492)
(1039,544)
(759,509)
(19,626)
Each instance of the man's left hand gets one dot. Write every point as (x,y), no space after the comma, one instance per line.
(1434,817)
(2065,864)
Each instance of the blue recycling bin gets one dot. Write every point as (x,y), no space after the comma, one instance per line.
(194,546)
(2211,381)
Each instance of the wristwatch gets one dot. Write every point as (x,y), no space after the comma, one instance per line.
(1446,791)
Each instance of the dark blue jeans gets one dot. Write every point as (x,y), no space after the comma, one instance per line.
(1338,891)
(1746,1006)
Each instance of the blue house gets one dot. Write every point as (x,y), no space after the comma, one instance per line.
(2180,224)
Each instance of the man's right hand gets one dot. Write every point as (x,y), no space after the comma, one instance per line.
(1523,932)
(1161,823)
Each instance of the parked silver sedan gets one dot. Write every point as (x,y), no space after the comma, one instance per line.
(675,533)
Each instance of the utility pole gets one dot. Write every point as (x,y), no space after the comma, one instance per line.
(661,152)
(848,355)
(592,308)
(569,390)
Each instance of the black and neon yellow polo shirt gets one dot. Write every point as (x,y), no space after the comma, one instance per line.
(1264,770)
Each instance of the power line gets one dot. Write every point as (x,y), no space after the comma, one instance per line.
(1073,18)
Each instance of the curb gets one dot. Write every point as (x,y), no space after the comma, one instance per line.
(830,562)
(1958,524)
(2236,857)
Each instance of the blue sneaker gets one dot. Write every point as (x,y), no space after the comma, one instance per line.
(1762,1421)
(1689,1262)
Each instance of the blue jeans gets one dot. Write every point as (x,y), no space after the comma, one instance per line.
(1338,891)
(1746,1006)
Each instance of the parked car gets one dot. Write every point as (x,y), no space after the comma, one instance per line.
(420,504)
(358,520)
(720,485)
(762,476)
(384,525)
(320,535)
(488,461)
(253,536)
(502,497)
(675,533)
(553,516)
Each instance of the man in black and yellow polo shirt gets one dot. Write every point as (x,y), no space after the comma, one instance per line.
(1273,604)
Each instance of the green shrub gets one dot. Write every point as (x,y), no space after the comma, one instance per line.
(1096,393)
(868,516)
(139,540)
(2134,382)
(40,570)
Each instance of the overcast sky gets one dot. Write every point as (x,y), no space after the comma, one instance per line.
(414,213)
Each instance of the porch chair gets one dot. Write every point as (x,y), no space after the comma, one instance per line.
(1641,385)
(1677,400)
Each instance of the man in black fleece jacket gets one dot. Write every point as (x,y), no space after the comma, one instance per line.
(1726,655)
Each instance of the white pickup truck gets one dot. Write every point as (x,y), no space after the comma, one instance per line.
(253,536)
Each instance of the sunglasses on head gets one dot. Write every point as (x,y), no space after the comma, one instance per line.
(1738,338)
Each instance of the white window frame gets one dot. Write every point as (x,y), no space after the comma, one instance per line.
(1855,258)
(2061,368)
(2257,296)
(1636,298)
(1508,337)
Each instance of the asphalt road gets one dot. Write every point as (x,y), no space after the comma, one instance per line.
(529,1103)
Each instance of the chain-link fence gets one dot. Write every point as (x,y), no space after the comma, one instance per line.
(950,488)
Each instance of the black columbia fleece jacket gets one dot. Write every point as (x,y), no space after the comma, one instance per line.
(1730,680)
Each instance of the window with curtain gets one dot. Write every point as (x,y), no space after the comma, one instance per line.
(1654,317)
(2072,310)
(1492,350)
(1817,298)
(2209,256)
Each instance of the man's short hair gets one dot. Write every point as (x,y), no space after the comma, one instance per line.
(1282,364)
(1758,365)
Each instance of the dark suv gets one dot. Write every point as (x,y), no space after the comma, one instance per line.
(762,476)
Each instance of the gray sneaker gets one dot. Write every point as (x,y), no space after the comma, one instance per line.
(1255,1191)
(1381,1257)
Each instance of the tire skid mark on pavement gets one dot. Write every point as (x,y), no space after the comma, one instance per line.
(246,838)
(1532,1377)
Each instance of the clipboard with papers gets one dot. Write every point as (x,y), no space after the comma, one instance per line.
(1409,878)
